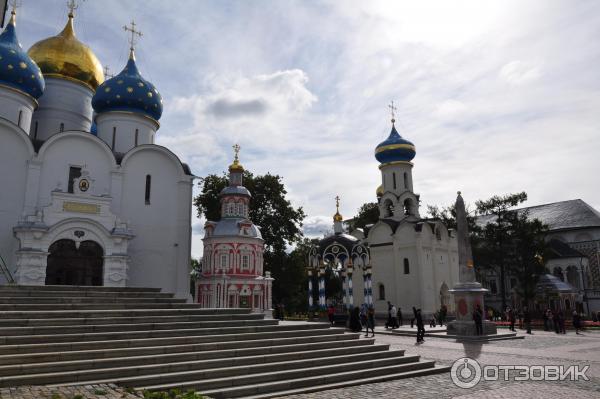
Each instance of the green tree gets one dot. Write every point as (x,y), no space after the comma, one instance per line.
(368,213)
(280,225)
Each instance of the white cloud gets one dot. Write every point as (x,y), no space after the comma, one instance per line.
(519,72)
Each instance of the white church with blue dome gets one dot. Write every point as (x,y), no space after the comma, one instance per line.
(413,261)
(87,197)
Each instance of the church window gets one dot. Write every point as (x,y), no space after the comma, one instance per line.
(405,180)
(223,261)
(62,127)
(493,287)
(381,292)
(137,133)
(406,266)
(20,116)
(35,130)
(394,178)
(148,187)
(114,138)
(407,206)
(245,262)
(74,173)
(388,209)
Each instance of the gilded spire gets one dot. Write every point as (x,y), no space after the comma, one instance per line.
(14,4)
(393,111)
(236,165)
(337,217)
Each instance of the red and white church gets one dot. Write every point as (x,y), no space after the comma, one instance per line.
(232,266)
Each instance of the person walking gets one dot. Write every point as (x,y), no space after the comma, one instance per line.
(511,319)
(399,315)
(331,313)
(412,321)
(478,319)
(388,323)
(550,319)
(393,314)
(443,314)
(363,315)
(556,321)
(527,319)
(355,325)
(420,326)
(561,322)
(370,321)
(576,322)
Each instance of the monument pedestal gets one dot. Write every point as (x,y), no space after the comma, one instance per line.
(467,296)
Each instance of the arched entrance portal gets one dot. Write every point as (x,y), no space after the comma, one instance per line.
(69,265)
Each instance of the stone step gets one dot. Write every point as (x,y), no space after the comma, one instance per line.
(110,328)
(97,294)
(146,342)
(87,357)
(175,372)
(317,387)
(75,288)
(68,366)
(94,306)
(36,314)
(125,320)
(85,300)
(208,386)
(104,336)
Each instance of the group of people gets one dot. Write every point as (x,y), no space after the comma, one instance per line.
(555,319)
(394,319)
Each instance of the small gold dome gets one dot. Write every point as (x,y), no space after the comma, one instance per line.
(379,191)
(64,56)
(338,217)
(236,166)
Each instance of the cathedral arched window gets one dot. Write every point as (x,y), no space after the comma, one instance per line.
(388,208)
(35,129)
(114,138)
(19,120)
(405,180)
(381,292)
(148,188)
(62,127)
(224,261)
(245,262)
(137,133)
(407,207)
(394,179)
(406,266)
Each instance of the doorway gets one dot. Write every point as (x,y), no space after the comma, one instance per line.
(69,265)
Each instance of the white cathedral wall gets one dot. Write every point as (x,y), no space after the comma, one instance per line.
(160,251)
(15,152)
(63,102)
(16,107)
(124,125)
(68,149)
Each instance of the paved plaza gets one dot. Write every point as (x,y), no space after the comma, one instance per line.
(541,348)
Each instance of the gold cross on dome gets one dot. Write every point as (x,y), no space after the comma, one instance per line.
(72,6)
(393,111)
(14,4)
(337,202)
(132,39)
(106,72)
(236,150)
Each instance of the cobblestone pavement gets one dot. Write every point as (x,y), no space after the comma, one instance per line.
(79,392)
(541,348)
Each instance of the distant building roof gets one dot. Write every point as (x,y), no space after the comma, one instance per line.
(564,215)
(551,283)
(559,249)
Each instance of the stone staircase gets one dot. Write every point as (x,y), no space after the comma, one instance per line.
(145,339)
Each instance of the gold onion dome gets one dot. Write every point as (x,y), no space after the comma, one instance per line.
(338,217)
(63,56)
(379,191)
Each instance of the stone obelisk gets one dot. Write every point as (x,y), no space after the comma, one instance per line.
(468,293)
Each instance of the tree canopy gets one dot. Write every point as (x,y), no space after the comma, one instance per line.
(368,213)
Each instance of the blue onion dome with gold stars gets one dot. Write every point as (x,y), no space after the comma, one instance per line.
(17,69)
(128,91)
(395,148)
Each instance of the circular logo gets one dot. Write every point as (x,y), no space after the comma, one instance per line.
(465,372)
(84,184)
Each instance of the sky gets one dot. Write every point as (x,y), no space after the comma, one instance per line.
(497,96)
